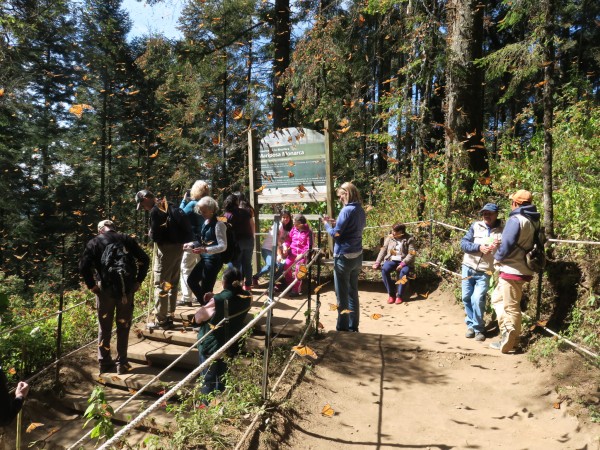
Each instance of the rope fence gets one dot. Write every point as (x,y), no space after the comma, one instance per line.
(268,306)
(562,338)
(41,319)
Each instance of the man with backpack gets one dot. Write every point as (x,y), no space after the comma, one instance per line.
(520,231)
(170,228)
(113,266)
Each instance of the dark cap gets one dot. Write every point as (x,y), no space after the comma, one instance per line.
(141,195)
(492,207)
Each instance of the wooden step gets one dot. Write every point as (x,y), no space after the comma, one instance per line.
(161,354)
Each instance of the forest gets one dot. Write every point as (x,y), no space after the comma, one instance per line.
(434,106)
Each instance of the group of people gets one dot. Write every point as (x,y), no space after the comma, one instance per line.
(490,246)
(196,253)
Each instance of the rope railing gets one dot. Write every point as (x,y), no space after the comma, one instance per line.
(261,410)
(155,378)
(269,305)
(553,333)
(55,362)
(192,375)
(41,319)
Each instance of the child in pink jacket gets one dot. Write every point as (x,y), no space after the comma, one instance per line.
(298,242)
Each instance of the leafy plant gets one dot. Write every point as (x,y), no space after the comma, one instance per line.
(101,413)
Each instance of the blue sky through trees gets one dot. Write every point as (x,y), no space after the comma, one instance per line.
(158,19)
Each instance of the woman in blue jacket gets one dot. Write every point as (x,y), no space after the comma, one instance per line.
(347,232)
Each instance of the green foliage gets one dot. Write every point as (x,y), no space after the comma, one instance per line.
(218,425)
(542,350)
(101,413)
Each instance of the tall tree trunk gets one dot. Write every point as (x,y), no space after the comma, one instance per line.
(549,57)
(464,93)
(281,41)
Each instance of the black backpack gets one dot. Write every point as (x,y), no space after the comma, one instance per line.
(233,250)
(118,269)
(179,228)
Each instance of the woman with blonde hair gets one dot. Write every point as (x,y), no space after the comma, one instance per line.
(199,189)
(346,232)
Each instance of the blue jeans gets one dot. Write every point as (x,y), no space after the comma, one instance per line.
(267,255)
(393,289)
(474,287)
(345,279)
(244,260)
(214,375)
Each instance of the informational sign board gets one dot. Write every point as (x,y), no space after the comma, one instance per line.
(291,167)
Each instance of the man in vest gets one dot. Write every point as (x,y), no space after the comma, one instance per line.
(517,240)
(479,245)
(114,286)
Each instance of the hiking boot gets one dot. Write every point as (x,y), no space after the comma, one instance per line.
(398,300)
(124,369)
(479,337)
(509,340)
(164,325)
(184,303)
(470,334)
(391,300)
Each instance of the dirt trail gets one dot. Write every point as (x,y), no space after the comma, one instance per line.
(411,380)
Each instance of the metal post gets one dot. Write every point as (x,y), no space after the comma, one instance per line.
(19,428)
(60,310)
(267,354)
(430,233)
(318,301)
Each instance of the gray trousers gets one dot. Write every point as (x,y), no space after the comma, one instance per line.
(108,306)
(167,269)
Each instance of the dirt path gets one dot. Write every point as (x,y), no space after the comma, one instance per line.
(412,380)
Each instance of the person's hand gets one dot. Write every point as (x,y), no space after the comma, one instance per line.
(400,266)
(207,297)
(22,390)
(376,265)
(485,249)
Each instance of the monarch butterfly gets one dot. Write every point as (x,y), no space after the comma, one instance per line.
(33,426)
(332,307)
(222,219)
(425,295)
(328,411)
(376,316)
(346,311)
(302,272)
(304,350)
(402,280)
(260,189)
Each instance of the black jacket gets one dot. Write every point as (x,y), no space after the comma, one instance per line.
(9,405)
